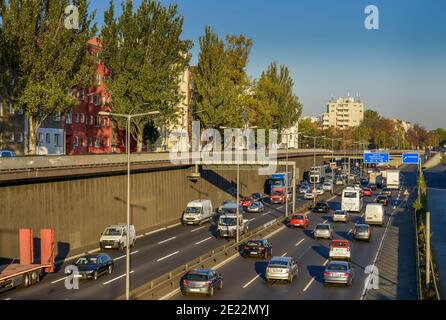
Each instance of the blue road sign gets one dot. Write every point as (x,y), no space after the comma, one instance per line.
(411,158)
(375,157)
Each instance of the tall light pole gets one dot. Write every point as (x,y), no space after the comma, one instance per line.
(129,118)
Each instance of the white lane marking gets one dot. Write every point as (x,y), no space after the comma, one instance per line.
(8,299)
(121,257)
(117,278)
(164,241)
(199,242)
(283,255)
(252,280)
(55,281)
(325,221)
(299,242)
(174,225)
(280,207)
(309,284)
(251,219)
(326,261)
(154,231)
(168,256)
(196,229)
(264,214)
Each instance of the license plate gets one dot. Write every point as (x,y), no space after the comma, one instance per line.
(253,252)
(194,290)
(107,247)
(78,276)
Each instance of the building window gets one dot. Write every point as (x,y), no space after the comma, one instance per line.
(57,140)
(91,141)
(98,79)
(90,98)
(97,121)
(107,142)
(76,117)
(69,119)
(82,141)
(1,109)
(97,142)
(20,111)
(82,94)
(75,141)
(48,138)
(11,137)
(82,117)
(20,137)
(98,100)
(57,116)
(11,109)
(40,137)
(91,120)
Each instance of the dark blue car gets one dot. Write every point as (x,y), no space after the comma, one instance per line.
(93,265)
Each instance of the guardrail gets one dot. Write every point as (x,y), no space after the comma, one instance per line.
(168,282)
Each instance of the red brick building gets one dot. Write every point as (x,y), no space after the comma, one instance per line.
(86,131)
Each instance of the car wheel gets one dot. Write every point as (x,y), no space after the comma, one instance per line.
(220,287)
(211,292)
(110,269)
(183,292)
(26,280)
(95,275)
(265,255)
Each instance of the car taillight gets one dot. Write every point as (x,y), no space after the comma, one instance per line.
(185,283)
(245,248)
(327,274)
(261,249)
(207,283)
(345,275)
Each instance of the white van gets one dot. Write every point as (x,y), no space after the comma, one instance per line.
(374,214)
(197,212)
(115,237)
(351,200)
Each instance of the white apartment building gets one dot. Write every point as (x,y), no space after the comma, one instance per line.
(343,113)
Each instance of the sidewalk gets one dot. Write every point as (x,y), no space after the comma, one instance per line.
(397,261)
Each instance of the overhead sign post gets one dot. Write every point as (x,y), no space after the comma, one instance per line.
(411,158)
(375,157)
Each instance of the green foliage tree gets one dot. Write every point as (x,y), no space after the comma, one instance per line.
(42,60)
(147,57)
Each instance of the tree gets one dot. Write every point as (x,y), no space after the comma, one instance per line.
(46,61)
(274,93)
(221,83)
(417,136)
(147,57)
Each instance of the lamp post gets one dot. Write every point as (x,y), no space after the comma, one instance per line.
(129,118)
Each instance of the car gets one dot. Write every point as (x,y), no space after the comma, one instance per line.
(7,154)
(92,266)
(246,202)
(115,237)
(386,192)
(323,230)
(320,190)
(340,249)
(298,220)
(339,272)
(373,186)
(257,248)
(340,216)
(281,268)
(339,181)
(303,189)
(364,182)
(367,192)
(202,281)
(357,185)
(327,186)
(224,204)
(382,199)
(277,197)
(257,196)
(362,231)
(256,207)
(310,194)
(321,206)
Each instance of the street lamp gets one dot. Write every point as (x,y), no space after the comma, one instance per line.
(129,119)
(238,193)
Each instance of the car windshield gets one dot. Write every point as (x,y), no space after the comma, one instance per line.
(196,277)
(382,197)
(277,183)
(254,243)
(225,221)
(351,195)
(246,199)
(255,205)
(337,267)
(322,227)
(320,204)
(112,232)
(362,229)
(339,244)
(340,213)
(276,194)
(193,210)
(297,216)
(278,264)
(86,260)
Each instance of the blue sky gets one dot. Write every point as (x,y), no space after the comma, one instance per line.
(399,70)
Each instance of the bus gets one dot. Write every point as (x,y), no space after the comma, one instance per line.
(351,200)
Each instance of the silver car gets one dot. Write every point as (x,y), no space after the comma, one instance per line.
(310,195)
(323,230)
(281,268)
(339,272)
(327,186)
(303,189)
(256,207)
(320,190)
(340,216)
(362,232)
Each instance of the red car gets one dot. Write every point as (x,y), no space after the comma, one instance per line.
(298,220)
(246,202)
(367,192)
(277,197)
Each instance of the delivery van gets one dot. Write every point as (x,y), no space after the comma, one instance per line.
(374,214)
(115,237)
(197,212)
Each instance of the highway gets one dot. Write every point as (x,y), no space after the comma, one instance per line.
(152,256)
(244,278)
(157,253)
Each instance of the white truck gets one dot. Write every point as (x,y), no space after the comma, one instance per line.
(115,237)
(374,214)
(227,225)
(197,212)
(393,179)
(376,178)
(317,174)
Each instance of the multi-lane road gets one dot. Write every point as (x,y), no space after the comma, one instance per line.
(159,252)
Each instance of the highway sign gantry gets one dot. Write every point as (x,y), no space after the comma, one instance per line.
(410,158)
(376,157)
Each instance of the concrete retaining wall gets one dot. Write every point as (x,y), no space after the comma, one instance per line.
(79,209)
